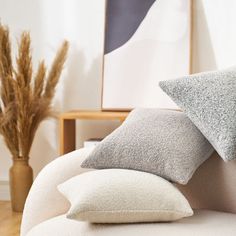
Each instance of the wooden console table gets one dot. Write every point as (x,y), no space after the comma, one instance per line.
(68,125)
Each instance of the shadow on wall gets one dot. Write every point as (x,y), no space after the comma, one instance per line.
(46,138)
(203,52)
(82,86)
(82,89)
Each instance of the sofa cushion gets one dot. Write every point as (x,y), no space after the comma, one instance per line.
(123,196)
(162,142)
(204,223)
(209,100)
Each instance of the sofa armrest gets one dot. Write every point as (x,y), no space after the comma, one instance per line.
(44,201)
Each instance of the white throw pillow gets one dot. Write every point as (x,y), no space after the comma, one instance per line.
(123,196)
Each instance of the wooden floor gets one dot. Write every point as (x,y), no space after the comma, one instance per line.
(9,221)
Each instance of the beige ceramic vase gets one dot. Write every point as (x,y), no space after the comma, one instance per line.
(21,179)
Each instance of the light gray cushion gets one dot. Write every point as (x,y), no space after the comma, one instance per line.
(162,142)
(209,100)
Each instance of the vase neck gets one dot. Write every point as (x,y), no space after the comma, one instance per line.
(21,160)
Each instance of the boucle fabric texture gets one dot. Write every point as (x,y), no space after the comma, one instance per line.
(209,100)
(162,142)
(123,196)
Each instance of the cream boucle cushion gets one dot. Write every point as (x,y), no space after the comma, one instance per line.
(123,196)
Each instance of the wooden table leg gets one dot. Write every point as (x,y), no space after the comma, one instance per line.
(67,136)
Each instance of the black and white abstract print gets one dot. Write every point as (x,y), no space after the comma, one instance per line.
(145,41)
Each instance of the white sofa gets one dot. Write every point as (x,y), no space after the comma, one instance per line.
(213,187)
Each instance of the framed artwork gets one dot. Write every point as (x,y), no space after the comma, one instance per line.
(145,42)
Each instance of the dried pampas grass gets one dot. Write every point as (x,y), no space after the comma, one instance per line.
(25,100)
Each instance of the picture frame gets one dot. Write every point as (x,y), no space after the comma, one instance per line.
(145,42)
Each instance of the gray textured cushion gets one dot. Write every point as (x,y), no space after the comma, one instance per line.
(209,100)
(162,142)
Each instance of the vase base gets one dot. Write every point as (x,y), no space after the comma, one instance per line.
(21,179)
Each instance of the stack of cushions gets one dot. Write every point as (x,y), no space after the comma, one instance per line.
(154,148)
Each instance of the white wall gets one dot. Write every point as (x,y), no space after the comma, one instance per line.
(214,34)
(82,23)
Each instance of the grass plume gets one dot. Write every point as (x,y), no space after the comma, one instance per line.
(25,99)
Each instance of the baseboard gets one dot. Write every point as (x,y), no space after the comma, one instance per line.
(4,191)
